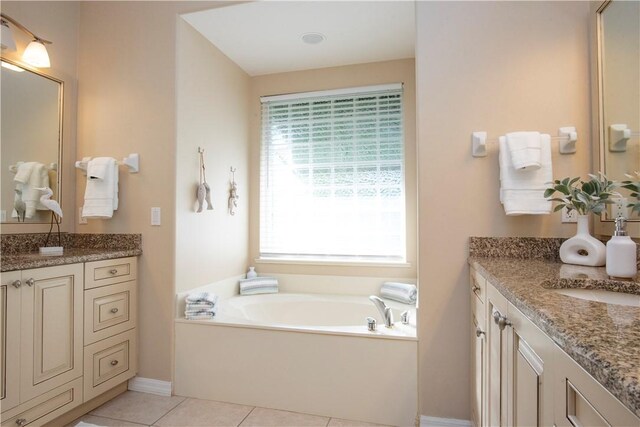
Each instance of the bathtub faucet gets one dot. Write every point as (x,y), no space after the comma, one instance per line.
(385,311)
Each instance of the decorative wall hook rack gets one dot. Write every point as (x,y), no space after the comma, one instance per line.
(132,161)
(619,135)
(567,138)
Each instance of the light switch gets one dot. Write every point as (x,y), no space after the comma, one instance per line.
(3,216)
(155,216)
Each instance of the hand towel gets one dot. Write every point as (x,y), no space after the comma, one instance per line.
(525,150)
(199,315)
(198,306)
(37,177)
(201,298)
(401,292)
(101,194)
(522,191)
(259,285)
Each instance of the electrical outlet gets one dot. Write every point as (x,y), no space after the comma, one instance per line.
(619,208)
(569,216)
(155,216)
(81,219)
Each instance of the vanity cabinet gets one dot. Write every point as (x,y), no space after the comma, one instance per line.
(63,344)
(520,377)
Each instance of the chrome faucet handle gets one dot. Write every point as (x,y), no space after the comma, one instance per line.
(371,324)
(388,317)
(404,317)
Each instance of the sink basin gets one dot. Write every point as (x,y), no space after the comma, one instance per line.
(598,295)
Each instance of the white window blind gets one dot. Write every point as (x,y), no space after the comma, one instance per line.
(332,176)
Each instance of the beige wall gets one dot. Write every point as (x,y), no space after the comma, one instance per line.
(127,103)
(56,21)
(498,67)
(212,113)
(334,78)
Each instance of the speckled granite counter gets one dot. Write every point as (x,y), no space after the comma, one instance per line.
(20,251)
(602,338)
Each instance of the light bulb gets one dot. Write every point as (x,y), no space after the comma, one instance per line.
(36,54)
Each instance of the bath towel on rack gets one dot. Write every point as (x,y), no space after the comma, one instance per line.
(522,191)
(525,150)
(29,176)
(101,193)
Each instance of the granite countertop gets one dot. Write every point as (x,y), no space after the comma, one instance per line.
(20,251)
(602,338)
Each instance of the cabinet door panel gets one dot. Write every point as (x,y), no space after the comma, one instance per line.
(52,328)
(527,375)
(497,360)
(9,340)
(478,371)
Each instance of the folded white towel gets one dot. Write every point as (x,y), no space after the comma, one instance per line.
(199,306)
(522,191)
(401,292)
(525,150)
(101,194)
(24,172)
(259,285)
(199,315)
(201,298)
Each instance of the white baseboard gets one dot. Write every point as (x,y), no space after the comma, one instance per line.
(442,422)
(149,385)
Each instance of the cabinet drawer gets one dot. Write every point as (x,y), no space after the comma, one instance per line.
(109,310)
(108,363)
(478,287)
(108,272)
(46,407)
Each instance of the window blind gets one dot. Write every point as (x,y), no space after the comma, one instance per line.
(332,176)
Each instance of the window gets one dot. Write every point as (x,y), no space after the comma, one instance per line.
(332,175)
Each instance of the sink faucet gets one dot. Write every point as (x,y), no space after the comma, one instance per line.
(385,311)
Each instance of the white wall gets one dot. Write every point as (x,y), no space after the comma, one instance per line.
(498,67)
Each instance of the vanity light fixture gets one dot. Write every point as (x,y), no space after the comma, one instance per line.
(36,52)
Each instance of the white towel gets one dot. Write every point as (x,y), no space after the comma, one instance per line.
(259,285)
(525,150)
(101,194)
(402,292)
(522,191)
(36,175)
(201,298)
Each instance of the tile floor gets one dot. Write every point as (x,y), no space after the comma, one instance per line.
(142,409)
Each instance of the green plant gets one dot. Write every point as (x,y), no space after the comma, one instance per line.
(584,197)
(633,185)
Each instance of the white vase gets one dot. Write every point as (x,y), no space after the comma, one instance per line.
(583,248)
(252,273)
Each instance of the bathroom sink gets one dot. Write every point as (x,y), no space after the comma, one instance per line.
(599,295)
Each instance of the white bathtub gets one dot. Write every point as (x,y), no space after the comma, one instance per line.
(308,353)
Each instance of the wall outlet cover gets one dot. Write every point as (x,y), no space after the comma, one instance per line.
(569,216)
(81,219)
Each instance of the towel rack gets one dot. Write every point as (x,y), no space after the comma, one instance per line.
(619,135)
(132,161)
(567,138)
(51,167)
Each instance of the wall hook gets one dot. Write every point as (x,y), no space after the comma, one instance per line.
(233,192)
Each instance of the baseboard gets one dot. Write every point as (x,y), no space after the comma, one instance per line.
(149,385)
(442,422)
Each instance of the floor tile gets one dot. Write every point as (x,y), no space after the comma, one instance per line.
(261,417)
(337,422)
(196,412)
(102,421)
(142,408)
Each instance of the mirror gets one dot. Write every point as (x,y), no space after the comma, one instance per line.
(31,142)
(618,55)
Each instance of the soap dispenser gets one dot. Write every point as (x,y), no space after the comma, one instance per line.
(621,253)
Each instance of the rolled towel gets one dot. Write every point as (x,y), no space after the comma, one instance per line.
(202,297)
(259,285)
(524,148)
(401,292)
(199,306)
(199,314)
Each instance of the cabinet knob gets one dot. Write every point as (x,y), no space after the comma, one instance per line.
(114,310)
(17,283)
(479,332)
(114,362)
(21,422)
(113,271)
(500,320)
(30,281)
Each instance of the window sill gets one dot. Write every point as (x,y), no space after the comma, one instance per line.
(332,262)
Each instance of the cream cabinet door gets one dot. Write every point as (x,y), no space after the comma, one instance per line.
(497,345)
(9,339)
(530,385)
(52,329)
(478,377)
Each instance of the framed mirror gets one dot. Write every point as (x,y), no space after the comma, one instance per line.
(31,142)
(617,100)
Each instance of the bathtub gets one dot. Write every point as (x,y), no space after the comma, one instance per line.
(308,353)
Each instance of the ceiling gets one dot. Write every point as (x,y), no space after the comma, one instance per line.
(264,37)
